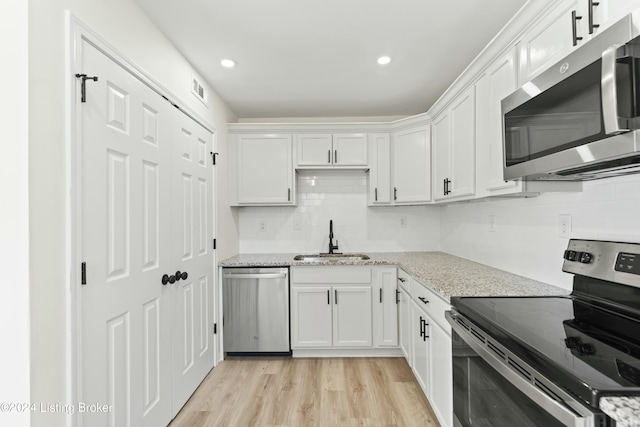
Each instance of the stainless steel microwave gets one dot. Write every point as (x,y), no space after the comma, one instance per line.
(579,120)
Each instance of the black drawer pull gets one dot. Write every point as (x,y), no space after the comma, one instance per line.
(424,300)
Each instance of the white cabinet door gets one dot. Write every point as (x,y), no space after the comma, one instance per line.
(380,169)
(314,150)
(551,38)
(385,302)
(419,323)
(404,315)
(352,316)
(311,317)
(606,12)
(441,154)
(499,80)
(412,165)
(350,149)
(462,179)
(265,170)
(441,396)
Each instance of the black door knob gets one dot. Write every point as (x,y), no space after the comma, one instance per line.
(165,279)
(178,275)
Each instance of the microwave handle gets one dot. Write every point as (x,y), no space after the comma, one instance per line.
(609,92)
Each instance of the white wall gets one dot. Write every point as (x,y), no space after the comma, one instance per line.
(14,216)
(526,240)
(125,27)
(341,196)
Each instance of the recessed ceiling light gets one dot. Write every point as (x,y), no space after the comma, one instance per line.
(384,60)
(228,63)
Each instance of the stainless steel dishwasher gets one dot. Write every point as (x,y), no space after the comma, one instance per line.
(256,310)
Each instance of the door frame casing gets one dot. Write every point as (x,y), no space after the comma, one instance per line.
(77,31)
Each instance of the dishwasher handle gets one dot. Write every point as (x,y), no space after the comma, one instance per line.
(255,276)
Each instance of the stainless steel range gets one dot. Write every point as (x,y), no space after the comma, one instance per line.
(547,361)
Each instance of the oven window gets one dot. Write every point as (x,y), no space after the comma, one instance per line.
(482,397)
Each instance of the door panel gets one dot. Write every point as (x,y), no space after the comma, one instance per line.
(192,332)
(125,331)
(352,316)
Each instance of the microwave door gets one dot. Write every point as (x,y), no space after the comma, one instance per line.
(613,98)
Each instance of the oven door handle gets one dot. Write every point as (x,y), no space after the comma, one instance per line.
(568,417)
(609,87)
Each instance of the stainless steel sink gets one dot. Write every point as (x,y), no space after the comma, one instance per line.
(330,257)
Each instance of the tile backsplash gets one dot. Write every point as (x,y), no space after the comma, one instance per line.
(339,195)
(527,238)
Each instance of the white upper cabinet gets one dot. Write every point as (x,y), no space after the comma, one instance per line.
(314,150)
(454,149)
(350,149)
(412,166)
(380,169)
(555,35)
(566,26)
(331,150)
(263,173)
(498,81)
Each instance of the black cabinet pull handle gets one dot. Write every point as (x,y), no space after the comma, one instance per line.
(380,295)
(592,26)
(402,279)
(421,327)
(424,300)
(172,279)
(574,26)
(178,275)
(165,279)
(395,193)
(288,194)
(335,157)
(329,156)
(328,297)
(185,275)
(397,296)
(335,296)
(425,336)
(376,193)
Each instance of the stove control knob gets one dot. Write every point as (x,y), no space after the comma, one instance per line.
(586,258)
(587,349)
(570,255)
(572,342)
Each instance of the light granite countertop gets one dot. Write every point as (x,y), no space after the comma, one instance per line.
(447,275)
(452,276)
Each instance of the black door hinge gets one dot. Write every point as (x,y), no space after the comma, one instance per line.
(83,273)
(214,244)
(213,156)
(215,328)
(83,87)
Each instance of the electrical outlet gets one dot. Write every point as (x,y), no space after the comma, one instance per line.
(564,225)
(403,221)
(262,226)
(492,223)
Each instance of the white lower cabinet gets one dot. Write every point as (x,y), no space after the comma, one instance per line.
(428,345)
(420,350)
(343,307)
(404,319)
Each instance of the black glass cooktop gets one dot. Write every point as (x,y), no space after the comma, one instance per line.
(588,348)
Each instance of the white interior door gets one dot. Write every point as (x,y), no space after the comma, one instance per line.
(192,244)
(126,311)
(146,210)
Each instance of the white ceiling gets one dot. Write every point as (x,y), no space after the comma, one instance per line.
(304,58)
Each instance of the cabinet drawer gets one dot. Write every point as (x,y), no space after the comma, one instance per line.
(432,304)
(329,275)
(404,280)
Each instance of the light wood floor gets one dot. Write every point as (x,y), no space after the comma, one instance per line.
(308,392)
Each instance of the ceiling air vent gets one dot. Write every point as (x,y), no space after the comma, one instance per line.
(198,90)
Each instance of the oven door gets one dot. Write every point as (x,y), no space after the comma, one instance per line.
(492,387)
